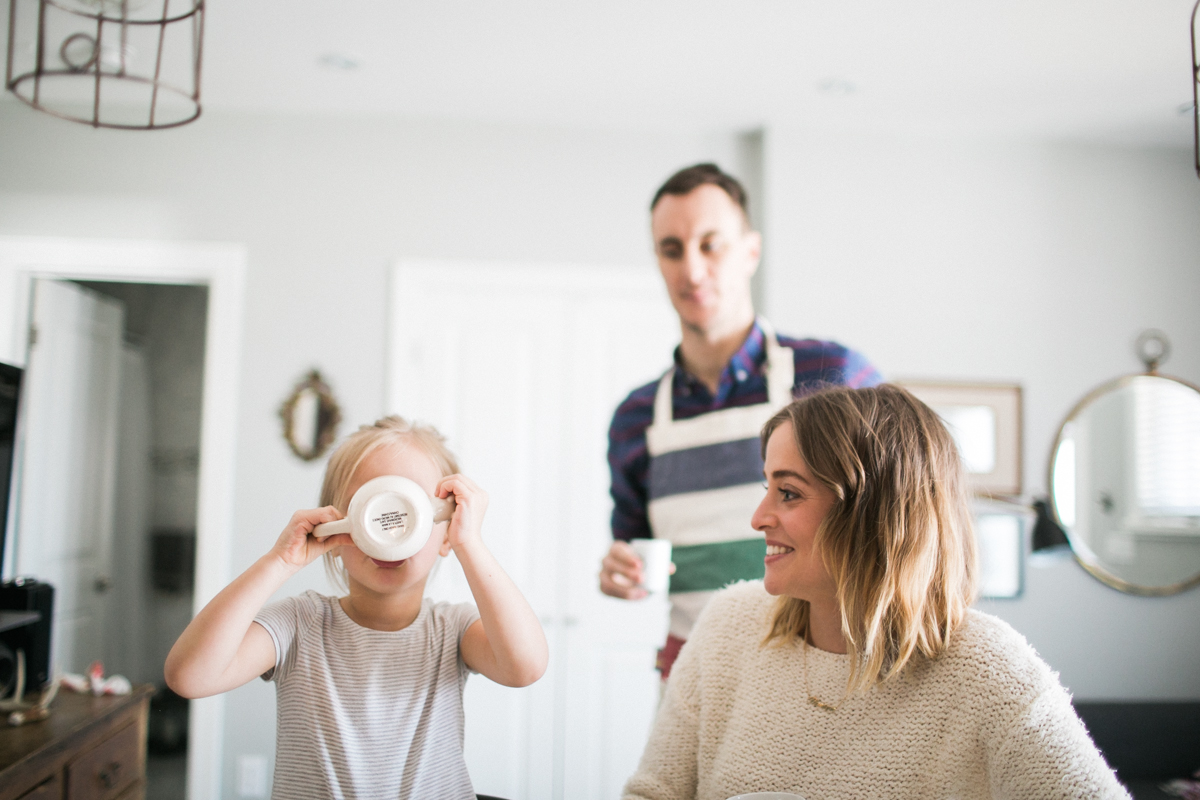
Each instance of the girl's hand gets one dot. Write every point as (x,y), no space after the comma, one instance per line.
(470,503)
(297,547)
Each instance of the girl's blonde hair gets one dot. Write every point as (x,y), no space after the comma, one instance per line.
(898,541)
(339,472)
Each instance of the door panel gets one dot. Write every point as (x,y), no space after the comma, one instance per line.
(65,525)
(522,368)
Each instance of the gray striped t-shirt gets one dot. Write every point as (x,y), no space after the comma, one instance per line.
(365,713)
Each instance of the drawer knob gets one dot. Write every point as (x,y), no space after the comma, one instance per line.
(110,775)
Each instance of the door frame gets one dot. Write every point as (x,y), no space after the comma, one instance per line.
(222,268)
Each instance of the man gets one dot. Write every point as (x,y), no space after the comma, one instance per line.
(684,450)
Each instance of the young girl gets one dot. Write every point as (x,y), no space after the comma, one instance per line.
(369,685)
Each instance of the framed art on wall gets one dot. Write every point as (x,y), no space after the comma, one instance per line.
(1000,539)
(985,420)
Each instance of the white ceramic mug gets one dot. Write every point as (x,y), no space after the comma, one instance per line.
(656,563)
(390,518)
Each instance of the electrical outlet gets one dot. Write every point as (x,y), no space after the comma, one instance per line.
(252,776)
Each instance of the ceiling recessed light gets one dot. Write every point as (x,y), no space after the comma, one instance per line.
(339,61)
(836,86)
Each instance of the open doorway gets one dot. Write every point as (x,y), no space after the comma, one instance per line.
(112,397)
(218,270)
(154,511)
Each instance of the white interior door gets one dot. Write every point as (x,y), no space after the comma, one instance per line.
(521,368)
(64,530)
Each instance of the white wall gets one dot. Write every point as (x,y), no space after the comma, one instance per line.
(1034,263)
(324,206)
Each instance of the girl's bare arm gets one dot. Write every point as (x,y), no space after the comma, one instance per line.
(507,643)
(222,648)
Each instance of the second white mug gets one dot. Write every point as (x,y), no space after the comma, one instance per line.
(656,563)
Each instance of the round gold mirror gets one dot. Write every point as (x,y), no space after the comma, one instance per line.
(1125,479)
(310,418)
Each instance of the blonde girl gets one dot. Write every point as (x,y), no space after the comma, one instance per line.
(369,684)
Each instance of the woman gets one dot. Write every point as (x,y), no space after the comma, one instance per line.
(867,674)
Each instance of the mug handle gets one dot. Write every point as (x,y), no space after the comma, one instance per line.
(327,529)
(443,509)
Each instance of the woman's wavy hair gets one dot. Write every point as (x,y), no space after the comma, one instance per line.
(898,541)
(339,472)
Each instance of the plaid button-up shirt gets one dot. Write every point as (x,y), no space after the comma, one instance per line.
(743,383)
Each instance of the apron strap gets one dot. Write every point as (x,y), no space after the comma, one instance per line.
(781,367)
(664,414)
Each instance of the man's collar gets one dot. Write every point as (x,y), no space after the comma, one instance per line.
(753,352)
(747,360)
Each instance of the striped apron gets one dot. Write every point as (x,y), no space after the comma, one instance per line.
(705,481)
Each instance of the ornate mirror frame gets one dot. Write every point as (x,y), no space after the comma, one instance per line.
(328,417)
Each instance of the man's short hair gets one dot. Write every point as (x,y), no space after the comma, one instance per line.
(690,178)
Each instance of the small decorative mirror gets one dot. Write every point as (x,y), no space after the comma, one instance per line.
(310,418)
(1125,478)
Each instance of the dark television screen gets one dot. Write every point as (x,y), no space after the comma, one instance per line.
(10,392)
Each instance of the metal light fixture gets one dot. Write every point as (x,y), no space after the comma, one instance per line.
(1196,83)
(131,64)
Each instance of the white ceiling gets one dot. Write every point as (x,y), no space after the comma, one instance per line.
(1094,69)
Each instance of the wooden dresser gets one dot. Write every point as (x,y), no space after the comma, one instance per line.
(90,748)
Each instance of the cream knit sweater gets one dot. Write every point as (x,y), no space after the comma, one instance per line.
(986,720)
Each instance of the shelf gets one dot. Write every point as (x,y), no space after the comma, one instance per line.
(15,619)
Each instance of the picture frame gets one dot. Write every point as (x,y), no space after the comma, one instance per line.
(985,420)
(1000,539)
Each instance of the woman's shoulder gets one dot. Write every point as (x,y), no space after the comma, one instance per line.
(995,656)
(743,595)
(989,636)
(736,610)
(729,630)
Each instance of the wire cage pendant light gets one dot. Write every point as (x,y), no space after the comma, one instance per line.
(130,64)
(1196,82)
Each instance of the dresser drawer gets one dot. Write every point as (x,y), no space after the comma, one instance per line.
(106,770)
(49,789)
(135,792)
(75,749)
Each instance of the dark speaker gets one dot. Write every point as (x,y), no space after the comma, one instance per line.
(27,594)
(8,670)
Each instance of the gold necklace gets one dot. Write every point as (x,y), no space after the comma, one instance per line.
(813,700)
